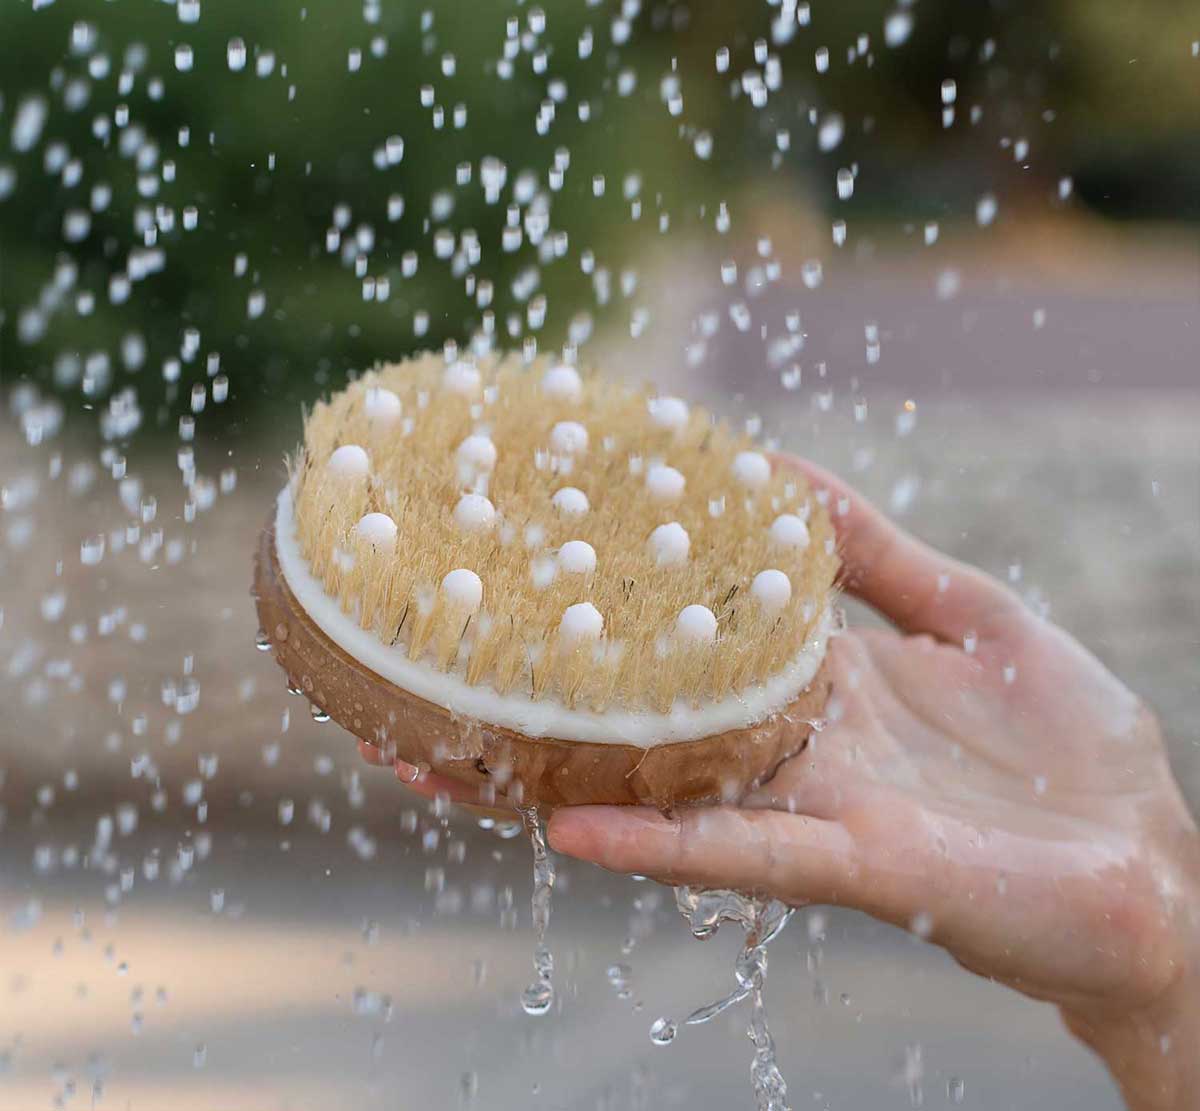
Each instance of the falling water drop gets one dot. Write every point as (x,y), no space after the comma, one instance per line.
(897,28)
(663,1031)
(985,209)
(831,131)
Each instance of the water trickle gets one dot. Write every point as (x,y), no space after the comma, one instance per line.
(762,920)
(538,997)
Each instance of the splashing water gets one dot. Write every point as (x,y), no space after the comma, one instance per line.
(762,920)
(538,997)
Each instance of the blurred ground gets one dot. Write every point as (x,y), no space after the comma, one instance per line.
(361,953)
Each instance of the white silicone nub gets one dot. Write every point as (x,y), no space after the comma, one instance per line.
(668,412)
(378,530)
(577,557)
(772,589)
(670,544)
(474,513)
(381,406)
(562,383)
(569,437)
(665,483)
(461,378)
(751,468)
(581,621)
(697,624)
(463,590)
(478,452)
(570,502)
(348,461)
(789,531)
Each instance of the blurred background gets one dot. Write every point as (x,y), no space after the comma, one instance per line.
(950,250)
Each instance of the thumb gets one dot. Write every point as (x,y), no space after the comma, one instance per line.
(791,857)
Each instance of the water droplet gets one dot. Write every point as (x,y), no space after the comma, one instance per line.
(985,209)
(538,998)
(831,132)
(897,28)
(91,551)
(183,57)
(663,1031)
(235,55)
(922,924)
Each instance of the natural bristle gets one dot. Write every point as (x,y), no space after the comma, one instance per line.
(628,549)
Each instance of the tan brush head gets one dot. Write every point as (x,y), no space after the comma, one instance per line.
(560,587)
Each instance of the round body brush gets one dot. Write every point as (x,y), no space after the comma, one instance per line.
(558,587)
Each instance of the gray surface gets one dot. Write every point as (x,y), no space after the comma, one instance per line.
(269,984)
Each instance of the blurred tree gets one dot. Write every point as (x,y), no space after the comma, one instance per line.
(305,189)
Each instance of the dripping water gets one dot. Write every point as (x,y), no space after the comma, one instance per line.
(538,997)
(762,920)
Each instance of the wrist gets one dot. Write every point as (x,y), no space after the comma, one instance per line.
(1153,1053)
(1150,1041)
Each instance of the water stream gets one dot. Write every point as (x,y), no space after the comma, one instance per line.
(538,997)
(762,920)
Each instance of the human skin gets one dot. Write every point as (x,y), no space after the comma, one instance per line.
(982,780)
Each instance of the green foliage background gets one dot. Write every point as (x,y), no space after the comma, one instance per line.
(1105,92)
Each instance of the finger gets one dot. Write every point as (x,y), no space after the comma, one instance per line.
(431,785)
(373,754)
(797,859)
(915,586)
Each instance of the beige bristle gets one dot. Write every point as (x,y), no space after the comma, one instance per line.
(514,643)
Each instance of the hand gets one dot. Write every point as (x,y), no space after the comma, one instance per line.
(985,782)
